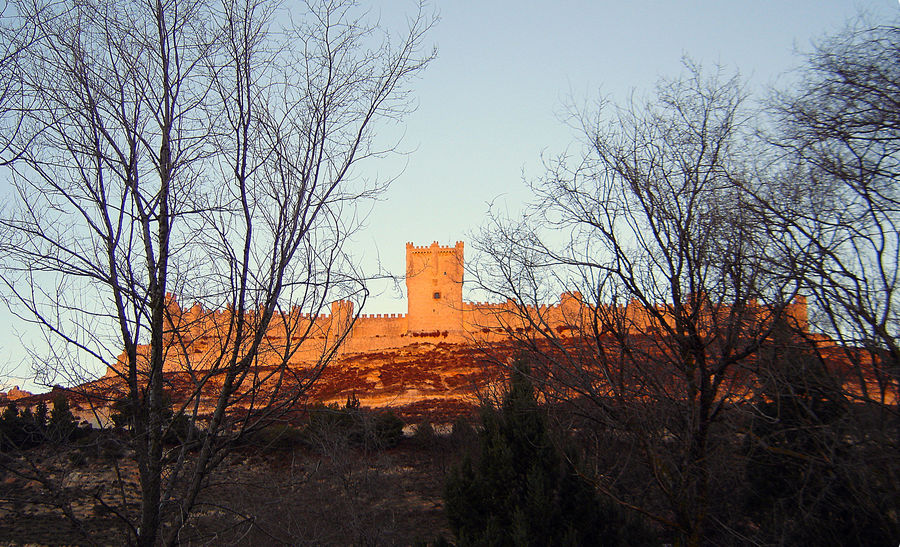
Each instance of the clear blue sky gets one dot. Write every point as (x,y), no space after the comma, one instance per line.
(494,99)
(491,103)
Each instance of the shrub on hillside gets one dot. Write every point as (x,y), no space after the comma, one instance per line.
(388,429)
(279,436)
(810,477)
(425,435)
(179,427)
(518,488)
(21,430)
(353,425)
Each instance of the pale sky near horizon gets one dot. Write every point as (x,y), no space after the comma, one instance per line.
(493,101)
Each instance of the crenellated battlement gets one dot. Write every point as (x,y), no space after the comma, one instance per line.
(436,310)
(370,316)
(412,248)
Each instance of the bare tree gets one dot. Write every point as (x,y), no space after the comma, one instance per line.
(10,53)
(205,150)
(667,300)
(838,203)
(834,213)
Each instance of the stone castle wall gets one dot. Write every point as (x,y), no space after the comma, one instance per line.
(436,313)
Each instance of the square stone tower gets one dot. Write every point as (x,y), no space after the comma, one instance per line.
(434,278)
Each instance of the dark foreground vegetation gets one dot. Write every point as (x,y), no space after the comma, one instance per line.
(518,473)
(693,228)
(343,476)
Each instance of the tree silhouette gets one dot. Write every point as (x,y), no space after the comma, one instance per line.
(520,489)
(191,151)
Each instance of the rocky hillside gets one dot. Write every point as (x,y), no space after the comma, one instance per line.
(423,381)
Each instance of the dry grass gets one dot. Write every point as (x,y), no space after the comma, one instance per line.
(330,495)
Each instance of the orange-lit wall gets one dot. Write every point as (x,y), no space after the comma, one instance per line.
(434,277)
(436,313)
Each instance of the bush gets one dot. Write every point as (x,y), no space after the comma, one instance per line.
(811,478)
(62,424)
(77,458)
(463,434)
(388,430)
(354,425)
(425,435)
(179,427)
(282,437)
(181,430)
(517,488)
(24,430)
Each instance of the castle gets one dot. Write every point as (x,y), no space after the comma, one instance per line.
(436,313)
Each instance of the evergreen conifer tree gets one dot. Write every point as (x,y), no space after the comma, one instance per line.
(61,424)
(520,489)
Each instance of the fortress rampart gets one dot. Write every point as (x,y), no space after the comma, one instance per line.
(436,313)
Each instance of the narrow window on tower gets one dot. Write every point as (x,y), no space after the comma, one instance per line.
(437,296)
